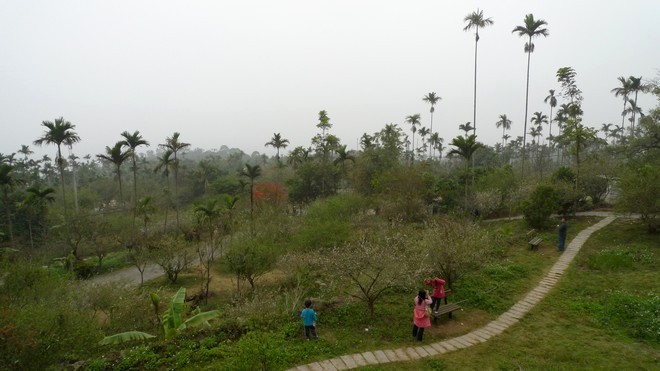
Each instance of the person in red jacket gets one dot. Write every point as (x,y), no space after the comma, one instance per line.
(438,285)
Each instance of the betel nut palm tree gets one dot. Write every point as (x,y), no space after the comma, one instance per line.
(505,124)
(531,28)
(551,99)
(476,20)
(132,141)
(251,172)
(8,181)
(165,163)
(59,132)
(432,98)
(413,120)
(465,147)
(117,157)
(277,142)
(173,144)
(623,91)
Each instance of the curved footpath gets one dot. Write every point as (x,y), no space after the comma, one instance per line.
(494,328)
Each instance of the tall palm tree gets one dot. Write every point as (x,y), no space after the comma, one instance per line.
(552,100)
(505,137)
(423,132)
(342,157)
(636,86)
(252,173)
(633,110)
(144,209)
(59,132)
(465,128)
(277,142)
(476,20)
(623,91)
(132,141)
(116,157)
(432,98)
(413,120)
(298,156)
(606,129)
(531,28)
(8,181)
(538,119)
(165,163)
(465,147)
(25,151)
(436,142)
(173,144)
(36,202)
(505,123)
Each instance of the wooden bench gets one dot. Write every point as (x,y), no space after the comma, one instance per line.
(445,309)
(535,241)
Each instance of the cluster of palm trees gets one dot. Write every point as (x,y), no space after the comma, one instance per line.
(631,85)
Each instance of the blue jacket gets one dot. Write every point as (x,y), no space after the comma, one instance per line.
(309,316)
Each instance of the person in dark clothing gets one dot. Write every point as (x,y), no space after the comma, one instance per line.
(561,235)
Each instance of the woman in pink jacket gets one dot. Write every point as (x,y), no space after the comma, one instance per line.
(438,291)
(420,319)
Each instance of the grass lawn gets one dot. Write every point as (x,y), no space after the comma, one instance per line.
(603,314)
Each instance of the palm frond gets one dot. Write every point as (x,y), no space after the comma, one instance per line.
(125,337)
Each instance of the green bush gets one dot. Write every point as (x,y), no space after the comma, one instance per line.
(543,201)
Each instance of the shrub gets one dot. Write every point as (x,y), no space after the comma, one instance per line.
(543,201)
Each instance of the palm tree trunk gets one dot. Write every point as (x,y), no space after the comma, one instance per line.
(623,114)
(134,190)
(634,115)
(66,213)
(431,149)
(474,113)
(8,213)
(524,149)
(121,189)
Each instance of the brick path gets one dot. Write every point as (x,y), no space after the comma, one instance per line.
(492,329)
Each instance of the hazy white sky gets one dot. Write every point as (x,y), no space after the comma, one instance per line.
(235,72)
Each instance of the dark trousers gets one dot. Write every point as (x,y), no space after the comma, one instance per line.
(310,331)
(418,332)
(435,304)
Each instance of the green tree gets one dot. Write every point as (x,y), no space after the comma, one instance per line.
(636,86)
(36,202)
(133,141)
(278,142)
(59,132)
(165,163)
(623,91)
(8,181)
(466,128)
(476,20)
(144,209)
(115,156)
(432,98)
(171,323)
(465,147)
(531,28)
(252,173)
(413,120)
(505,124)
(552,101)
(173,144)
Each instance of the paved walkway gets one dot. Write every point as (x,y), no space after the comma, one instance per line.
(492,329)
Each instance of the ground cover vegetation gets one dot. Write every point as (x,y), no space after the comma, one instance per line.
(602,315)
(246,238)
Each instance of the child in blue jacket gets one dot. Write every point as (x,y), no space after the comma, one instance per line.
(309,318)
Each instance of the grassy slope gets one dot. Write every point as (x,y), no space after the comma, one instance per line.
(582,323)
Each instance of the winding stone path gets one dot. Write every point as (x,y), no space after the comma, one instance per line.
(492,329)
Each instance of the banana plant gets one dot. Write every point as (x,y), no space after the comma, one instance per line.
(171,323)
